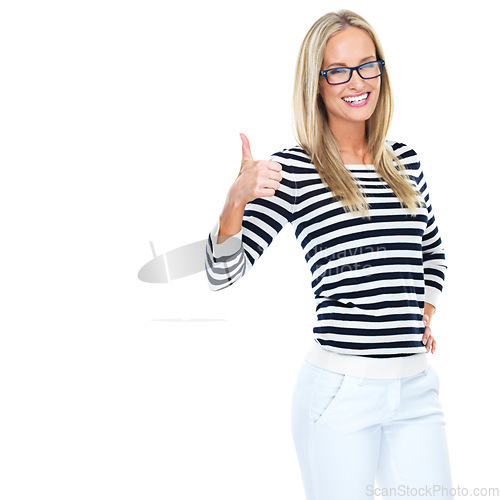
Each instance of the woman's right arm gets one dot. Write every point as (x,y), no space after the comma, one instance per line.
(256,208)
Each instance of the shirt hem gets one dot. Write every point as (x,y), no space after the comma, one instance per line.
(362,366)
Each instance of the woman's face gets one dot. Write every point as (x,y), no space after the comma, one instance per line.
(350,47)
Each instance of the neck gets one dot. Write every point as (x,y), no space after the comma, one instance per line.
(350,137)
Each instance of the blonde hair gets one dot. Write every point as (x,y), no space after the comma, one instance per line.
(313,131)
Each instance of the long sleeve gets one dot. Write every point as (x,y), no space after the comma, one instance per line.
(263,219)
(432,248)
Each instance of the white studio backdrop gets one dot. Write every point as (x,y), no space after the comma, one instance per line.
(120,125)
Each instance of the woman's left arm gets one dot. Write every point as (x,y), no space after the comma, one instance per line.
(434,262)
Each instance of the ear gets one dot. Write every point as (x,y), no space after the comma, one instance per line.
(318,87)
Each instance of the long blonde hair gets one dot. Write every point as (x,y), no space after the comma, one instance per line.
(313,131)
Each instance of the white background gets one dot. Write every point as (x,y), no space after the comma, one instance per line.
(119,125)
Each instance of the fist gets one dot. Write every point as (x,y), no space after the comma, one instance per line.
(257,178)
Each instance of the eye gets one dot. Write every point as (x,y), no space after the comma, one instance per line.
(339,71)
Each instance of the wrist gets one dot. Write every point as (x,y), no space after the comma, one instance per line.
(234,202)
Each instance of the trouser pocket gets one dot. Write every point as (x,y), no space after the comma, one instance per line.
(326,393)
(433,378)
(318,391)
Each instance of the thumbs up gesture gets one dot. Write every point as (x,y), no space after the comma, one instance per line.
(257,178)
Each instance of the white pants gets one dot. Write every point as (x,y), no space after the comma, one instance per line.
(350,431)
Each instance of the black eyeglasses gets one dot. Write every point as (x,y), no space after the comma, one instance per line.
(336,76)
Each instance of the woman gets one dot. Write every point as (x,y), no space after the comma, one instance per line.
(366,403)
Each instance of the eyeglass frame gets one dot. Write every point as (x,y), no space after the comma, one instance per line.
(351,70)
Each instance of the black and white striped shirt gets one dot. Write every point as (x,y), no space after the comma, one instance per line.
(370,277)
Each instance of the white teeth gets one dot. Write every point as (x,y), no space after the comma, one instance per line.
(360,98)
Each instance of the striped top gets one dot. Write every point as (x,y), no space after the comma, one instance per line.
(370,277)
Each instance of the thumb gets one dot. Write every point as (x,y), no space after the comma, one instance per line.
(425,319)
(245,149)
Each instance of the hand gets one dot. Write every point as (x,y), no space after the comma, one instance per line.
(257,178)
(428,340)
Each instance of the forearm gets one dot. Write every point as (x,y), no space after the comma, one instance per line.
(231,219)
(429,310)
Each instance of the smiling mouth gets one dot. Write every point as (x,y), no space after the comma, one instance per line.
(358,99)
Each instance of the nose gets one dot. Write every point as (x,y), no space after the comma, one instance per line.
(356,81)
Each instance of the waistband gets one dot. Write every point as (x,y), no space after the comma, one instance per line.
(362,366)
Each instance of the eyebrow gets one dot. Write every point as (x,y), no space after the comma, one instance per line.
(344,64)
